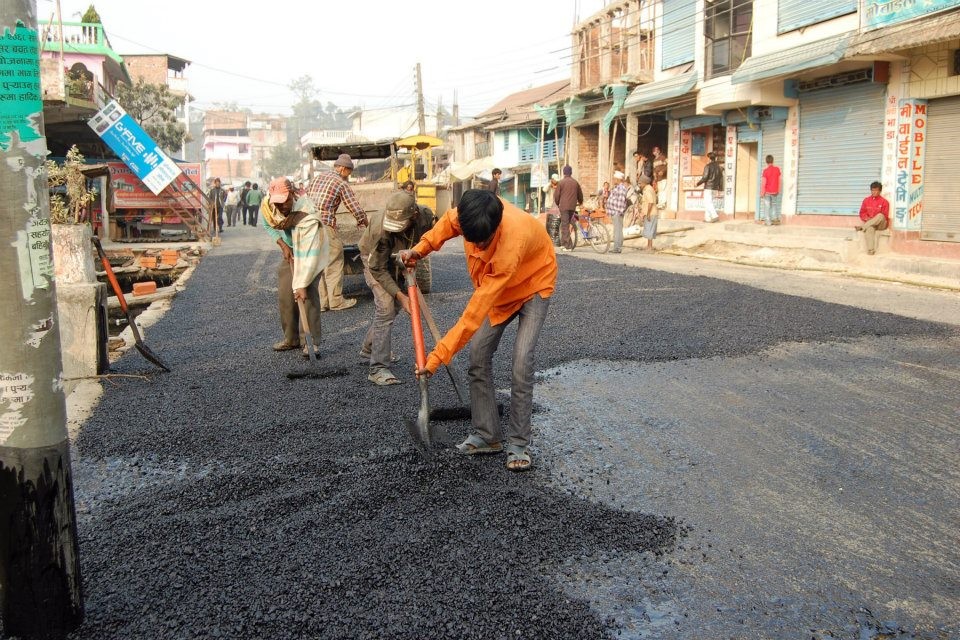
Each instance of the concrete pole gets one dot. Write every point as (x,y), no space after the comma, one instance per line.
(40,587)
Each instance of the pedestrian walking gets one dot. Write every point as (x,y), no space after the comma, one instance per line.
(495,182)
(648,210)
(328,189)
(616,206)
(294,225)
(712,181)
(218,199)
(874,216)
(513,267)
(770,193)
(231,203)
(397,228)
(254,198)
(242,205)
(567,196)
(548,191)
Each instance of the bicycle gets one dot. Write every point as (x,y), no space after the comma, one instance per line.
(588,230)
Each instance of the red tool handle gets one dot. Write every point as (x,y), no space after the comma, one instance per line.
(420,351)
(110,276)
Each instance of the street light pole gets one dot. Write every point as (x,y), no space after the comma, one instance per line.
(40,587)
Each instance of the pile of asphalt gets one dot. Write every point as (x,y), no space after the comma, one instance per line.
(224,500)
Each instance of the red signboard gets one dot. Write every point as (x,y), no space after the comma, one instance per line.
(130,193)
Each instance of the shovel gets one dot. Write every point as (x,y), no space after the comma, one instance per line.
(315,370)
(141,347)
(419,430)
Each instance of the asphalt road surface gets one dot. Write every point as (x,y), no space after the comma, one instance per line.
(712,460)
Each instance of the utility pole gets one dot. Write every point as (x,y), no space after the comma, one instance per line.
(439,115)
(40,587)
(421,119)
(456,109)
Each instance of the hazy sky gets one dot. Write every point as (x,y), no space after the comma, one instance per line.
(357,52)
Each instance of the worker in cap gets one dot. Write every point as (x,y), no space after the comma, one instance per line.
(294,224)
(616,207)
(327,190)
(398,227)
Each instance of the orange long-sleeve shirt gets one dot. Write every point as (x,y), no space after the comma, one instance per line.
(518,264)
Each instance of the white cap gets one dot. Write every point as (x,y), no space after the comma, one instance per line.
(618,175)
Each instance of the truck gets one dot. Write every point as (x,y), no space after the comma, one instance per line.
(374,182)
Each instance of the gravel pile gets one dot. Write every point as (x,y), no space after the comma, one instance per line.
(224,500)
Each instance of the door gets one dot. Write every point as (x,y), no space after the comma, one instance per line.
(941,191)
(841,147)
(747,183)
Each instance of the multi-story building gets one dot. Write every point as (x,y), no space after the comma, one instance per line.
(78,69)
(511,135)
(165,69)
(839,92)
(267,132)
(227,146)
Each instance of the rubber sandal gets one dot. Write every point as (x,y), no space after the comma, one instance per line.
(383,378)
(517,458)
(474,445)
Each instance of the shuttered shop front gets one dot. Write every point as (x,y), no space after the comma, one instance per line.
(841,147)
(941,185)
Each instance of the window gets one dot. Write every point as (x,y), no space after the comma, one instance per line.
(955,70)
(506,142)
(728,26)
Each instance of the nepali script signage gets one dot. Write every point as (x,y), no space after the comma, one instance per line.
(911,151)
(132,144)
(883,13)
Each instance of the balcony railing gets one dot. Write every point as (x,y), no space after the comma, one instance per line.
(531,152)
(78,37)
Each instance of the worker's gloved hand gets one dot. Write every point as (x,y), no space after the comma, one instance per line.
(409,257)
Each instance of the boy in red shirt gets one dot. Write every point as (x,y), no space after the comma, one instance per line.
(875,214)
(770,193)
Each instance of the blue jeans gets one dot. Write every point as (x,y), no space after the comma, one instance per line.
(771,207)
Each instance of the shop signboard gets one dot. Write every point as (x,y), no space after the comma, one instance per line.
(132,145)
(883,13)
(129,192)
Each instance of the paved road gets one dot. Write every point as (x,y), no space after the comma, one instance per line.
(714,459)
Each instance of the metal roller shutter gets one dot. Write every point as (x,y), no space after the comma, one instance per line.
(793,14)
(678,34)
(772,141)
(841,147)
(941,191)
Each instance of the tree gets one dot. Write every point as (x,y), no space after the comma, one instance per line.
(68,205)
(283,161)
(91,16)
(154,107)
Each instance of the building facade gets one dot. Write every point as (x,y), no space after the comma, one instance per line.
(839,92)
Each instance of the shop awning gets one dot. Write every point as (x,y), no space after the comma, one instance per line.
(819,53)
(915,33)
(649,94)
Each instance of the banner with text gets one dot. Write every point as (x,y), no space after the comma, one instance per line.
(132,144)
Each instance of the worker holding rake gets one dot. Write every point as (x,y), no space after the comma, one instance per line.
(513,267)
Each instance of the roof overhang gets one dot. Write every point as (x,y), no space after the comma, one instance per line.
(820,53)
(663,93)
(915,33)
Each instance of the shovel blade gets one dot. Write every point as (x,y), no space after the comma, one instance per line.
(419,431)
(151,356)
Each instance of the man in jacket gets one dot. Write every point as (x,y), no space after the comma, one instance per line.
(328,189)
(217,200)
(874,216)
(567,196)
(397,228)
(712,181)
(513,267)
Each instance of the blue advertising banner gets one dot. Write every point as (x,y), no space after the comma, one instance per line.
(132,144)
(882,13)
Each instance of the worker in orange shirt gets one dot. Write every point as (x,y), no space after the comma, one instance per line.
(512,264)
